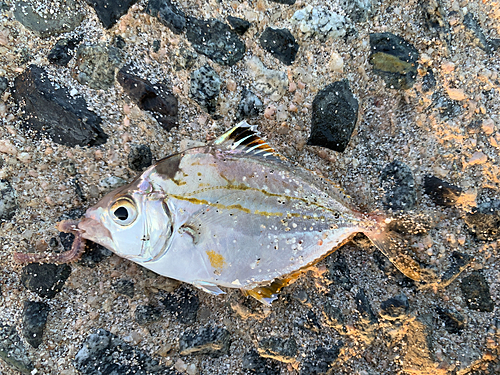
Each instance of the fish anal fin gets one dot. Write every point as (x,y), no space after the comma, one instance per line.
(266,294)
(244,138)
(209,288)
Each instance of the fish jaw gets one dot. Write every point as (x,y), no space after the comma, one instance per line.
(94,231)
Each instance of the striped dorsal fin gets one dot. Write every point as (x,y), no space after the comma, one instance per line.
(244,138)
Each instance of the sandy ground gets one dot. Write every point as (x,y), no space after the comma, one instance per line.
(392,125)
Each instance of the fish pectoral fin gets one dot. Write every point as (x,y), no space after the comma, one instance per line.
(245,138)
(209,288)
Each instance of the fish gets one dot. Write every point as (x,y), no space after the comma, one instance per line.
(233,213)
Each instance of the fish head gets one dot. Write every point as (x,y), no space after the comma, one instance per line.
(119,222)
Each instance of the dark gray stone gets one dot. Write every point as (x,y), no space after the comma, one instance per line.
(309,322)
(103,353)
(239,25)
(168,14)
(338,271)
(8,201)
(146,314)
(125,287)
(476,292)
(13,352)
(441,192)
(4,83)
(394,59)
(156,45)
(364,307)
(280,43)
(287,2)
(183,303)
(321,360)
(458,263)
(333,316)
(453,321)
(446,107)
(282,350)
(97,65)
(435,19)
(140,157)
(480,40)
(61,53)
(334,116)
(64,19)
(46,280)
(214,341)
(110,11)
(399,184)
(34,319)
(256,365)
(395,308)
(428,81)
(54,112)
(119,42)
(215,40)
(205,88)
(484,220)
(155,98)
(250,105)
(186,59)
(358,10)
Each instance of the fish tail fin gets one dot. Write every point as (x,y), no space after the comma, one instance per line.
(395,248)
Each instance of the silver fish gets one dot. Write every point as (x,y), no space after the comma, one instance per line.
(231,214)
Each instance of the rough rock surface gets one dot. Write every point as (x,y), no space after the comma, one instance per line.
(34,320)
(155,98)
(97,65)
(205,88)
(104,353)
(280,43)
(46,280)
(13,351)
(168,14)
(214,341)
(110,11)
(8,201)
(335,112)
(62,16)
(394,59)
(215,40)
(52,111)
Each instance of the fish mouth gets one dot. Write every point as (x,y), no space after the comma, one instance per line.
(94,231)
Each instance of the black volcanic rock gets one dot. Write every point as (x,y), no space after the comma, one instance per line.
(394,59)
(215,40)
(334,116)
(46,280)
(280,43)
(168,14)
(34,320)
(155,98)
(66,120)
(110,11)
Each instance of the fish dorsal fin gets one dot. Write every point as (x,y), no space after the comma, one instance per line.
(244,138)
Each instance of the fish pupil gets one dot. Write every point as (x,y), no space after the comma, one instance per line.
(121,213)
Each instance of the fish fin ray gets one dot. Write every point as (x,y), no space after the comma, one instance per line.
(244,138)
(266,294)
(393,246)
(209,288)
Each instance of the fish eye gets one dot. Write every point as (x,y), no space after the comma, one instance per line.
(124,211)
